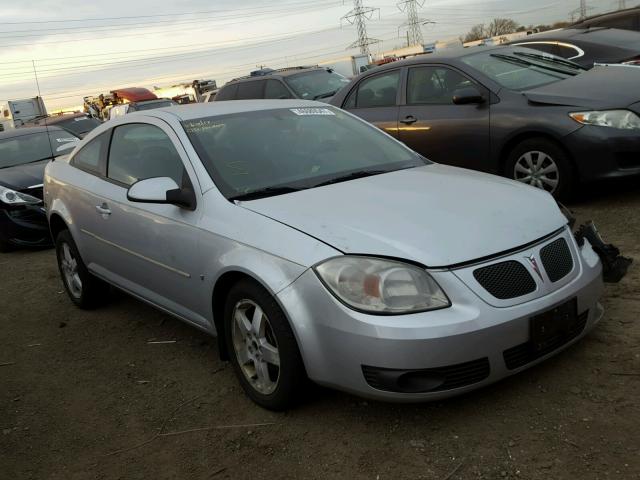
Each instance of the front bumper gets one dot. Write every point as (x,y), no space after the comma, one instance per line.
(602,153)
(25,226)
(337,342)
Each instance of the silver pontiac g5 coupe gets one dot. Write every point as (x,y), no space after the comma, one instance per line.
(317,247)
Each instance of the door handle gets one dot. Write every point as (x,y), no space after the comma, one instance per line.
(409,119)
(103,209)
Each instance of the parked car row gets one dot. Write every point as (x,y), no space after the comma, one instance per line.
(319,241)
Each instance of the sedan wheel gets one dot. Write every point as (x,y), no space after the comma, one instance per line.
(69,267)
(255,346)
(538,170)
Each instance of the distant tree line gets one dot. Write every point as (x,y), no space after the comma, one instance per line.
(503,26)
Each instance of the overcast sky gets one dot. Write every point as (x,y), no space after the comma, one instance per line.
(85,47)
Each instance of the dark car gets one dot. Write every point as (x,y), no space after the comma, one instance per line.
(307,83)
(77,123)
(507,110)
(627,19)
(24,152)
(588,46)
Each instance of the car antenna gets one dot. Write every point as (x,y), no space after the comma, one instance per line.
(46,123)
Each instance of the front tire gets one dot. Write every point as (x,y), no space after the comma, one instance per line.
(262,347)
(541,163)
(85,290)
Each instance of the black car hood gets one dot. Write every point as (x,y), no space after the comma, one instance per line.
(600,87)
(23,176)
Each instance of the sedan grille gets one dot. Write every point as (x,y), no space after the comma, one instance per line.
(556,258)
(506,279)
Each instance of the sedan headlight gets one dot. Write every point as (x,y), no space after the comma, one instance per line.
(11,197)
(381,286)
(623,119)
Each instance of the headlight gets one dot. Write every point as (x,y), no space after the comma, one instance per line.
(11,197)
(381,286)
(623,119)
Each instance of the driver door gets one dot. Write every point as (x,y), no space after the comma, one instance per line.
(432,125)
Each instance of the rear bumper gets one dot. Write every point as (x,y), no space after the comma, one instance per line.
(25,227)
(603,153)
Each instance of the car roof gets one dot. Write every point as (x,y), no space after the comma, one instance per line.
(606,36)
(608,15)
(212,109)
(285,72)
(21,131)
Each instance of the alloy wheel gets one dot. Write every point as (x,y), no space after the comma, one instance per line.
(537,169)
(69,265)
(255,346)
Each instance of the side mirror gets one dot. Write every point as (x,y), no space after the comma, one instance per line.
(161,190)
(467,95)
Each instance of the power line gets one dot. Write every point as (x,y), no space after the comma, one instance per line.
(357,17)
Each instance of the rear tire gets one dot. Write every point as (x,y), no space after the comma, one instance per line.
(258,336)
(541,163)
(84,289)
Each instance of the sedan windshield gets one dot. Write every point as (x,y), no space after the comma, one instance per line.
(18,150)
(316,84)
(262,153)
(79,125)
(521,70)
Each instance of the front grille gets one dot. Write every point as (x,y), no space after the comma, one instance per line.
(505,280)
(556,258)
(524,353)
(427,379)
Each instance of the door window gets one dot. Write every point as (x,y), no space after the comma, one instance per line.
(89,157)
(250,90)
(276,90)
(434,85)
(140,151)
(377,91)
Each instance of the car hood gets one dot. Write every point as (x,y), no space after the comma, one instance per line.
(601,87)
(23,176)
(435,215)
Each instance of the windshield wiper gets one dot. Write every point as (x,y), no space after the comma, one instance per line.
(527,63)
(326,94)
(264,192)
(559,61)
(352,176)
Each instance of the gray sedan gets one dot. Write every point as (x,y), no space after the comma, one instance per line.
(318,247)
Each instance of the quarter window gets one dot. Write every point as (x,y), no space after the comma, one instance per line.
(141,151)
(276,90)
(433,85)
(377,91)
(89,157)
(227,93)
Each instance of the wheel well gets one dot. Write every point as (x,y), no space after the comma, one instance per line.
(220,291)
(56,225)
(512,143)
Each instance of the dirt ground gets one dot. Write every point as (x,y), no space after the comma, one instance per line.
(83,395)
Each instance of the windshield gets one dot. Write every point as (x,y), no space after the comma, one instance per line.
(32,147)
(521,70)
(79,125)
(154,104)
(316,84)
(289,149)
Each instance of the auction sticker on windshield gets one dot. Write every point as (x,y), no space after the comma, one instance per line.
(312,111)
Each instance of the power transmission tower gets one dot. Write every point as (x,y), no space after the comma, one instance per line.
(581,11)
(357,17)
(414,33)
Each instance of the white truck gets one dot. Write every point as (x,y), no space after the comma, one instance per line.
(348,66)
(15,113)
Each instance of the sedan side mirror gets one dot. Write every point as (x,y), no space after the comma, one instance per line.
(161,190)
(467,95)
